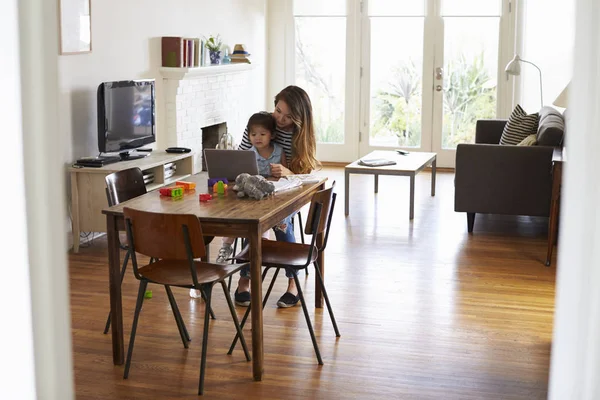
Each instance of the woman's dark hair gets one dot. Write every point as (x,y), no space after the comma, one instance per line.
(263,119)
(304,142)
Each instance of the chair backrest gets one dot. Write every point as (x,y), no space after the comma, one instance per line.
(325,199)
(163,236)
(124,185)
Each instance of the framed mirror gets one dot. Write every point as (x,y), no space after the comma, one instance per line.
(75,26)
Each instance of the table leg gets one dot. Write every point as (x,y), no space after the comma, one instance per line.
(376,183)
(347,193)
(114,279)
(412,197)
(554,209)
(256,300)
(433,171)
(75,212)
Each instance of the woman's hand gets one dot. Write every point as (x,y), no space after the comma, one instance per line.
(278,170)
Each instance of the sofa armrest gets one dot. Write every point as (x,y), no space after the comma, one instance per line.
(489,131)
(496,179)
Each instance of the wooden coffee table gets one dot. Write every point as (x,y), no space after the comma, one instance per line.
(406,165)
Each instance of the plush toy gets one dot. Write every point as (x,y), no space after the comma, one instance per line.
(253,186)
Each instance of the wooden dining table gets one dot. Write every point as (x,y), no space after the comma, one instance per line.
(224,215)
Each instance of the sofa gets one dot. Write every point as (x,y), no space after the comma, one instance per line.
(505,179)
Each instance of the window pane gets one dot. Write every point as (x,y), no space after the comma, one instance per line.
(471,8)
(396,81)
(320,7)
(396,8)
(470,71)
(321,71)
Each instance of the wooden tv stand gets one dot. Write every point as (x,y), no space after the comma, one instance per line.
(88,188)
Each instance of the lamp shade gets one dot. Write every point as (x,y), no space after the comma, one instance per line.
(514,66)
(563,98)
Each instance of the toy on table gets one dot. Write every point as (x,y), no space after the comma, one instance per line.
(205,197)
(254,186)
(219,187)
(186,185)
(212,181)
(148,294)
(173,191)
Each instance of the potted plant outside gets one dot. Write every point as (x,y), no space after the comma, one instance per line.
(213,44)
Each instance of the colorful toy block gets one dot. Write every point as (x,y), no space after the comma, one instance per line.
(173,191)
(186,185)
(205,197)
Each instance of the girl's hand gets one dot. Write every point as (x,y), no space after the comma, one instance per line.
(278,170)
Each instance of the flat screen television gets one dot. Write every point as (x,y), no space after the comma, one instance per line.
(126,116)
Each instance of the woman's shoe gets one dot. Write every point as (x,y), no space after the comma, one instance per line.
(287,300)
(242,299)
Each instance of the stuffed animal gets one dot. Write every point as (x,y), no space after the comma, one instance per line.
(253,186)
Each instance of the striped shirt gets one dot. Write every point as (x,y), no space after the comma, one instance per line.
(284,139)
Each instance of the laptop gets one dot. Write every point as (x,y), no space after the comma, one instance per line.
(230,163)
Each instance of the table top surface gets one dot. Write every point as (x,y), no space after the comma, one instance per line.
(411,162)
(221,208)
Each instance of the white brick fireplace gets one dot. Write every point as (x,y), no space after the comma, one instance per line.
(195,98)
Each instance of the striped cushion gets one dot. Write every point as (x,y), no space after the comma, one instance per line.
(519,126)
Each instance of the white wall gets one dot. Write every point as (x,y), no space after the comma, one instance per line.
(575,364)
(548,31)
(126,45)
(35,344)
(17,377)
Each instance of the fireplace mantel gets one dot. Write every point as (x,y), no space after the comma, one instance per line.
(191,73)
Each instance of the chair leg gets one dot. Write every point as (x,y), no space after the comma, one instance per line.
(185,336)
(247,313)
(301,230)
(123,269)
(310,328)
(235,242)
(204,337)
(302,235)
(136,316)
(203,295)
(329,308)
(235,320)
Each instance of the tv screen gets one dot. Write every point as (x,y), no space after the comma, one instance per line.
(125,115)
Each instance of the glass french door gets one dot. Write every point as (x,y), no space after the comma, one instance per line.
(411,74)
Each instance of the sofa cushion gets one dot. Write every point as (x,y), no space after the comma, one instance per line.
(530,140)
(519,126)
(551,127)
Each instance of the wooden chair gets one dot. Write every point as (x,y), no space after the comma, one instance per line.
(175,240)
(122,186)
(235,243)
(299,256)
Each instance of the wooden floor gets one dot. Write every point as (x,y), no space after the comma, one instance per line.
(425,310)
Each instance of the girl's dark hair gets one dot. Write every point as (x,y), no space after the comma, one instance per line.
(263,119)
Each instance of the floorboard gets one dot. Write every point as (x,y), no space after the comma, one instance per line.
(426,311)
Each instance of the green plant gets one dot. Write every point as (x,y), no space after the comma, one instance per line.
(214,43)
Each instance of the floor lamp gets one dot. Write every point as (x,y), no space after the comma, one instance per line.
(514,68)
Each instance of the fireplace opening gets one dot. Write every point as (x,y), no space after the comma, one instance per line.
(210,137)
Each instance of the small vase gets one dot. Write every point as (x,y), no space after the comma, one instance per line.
(215,57)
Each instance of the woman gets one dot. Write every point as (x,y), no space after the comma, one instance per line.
(296,134)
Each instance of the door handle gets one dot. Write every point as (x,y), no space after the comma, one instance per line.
(438,88)
(439,73)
